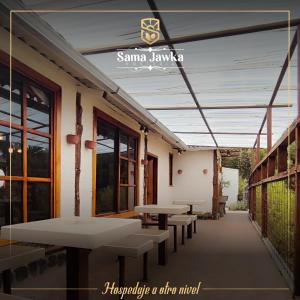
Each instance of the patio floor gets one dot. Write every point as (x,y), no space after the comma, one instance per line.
(223,254)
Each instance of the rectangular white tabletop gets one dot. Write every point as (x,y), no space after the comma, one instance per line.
(78,232)
(162,209)
(187,202)
(13,256)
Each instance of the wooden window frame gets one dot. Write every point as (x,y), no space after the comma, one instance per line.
(98,114)
(171,169)
(34,78)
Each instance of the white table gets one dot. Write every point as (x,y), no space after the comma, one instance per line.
(79,235)
(163,211)
(190,203)
(12,256)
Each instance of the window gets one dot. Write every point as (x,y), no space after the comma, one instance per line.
(31,150)
(170,169)
(116,166)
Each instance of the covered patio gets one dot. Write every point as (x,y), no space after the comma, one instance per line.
(224,254)
(109,123)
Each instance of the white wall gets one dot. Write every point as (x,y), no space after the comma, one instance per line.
(89,99)
(193,184)
(160,148)
(232,176)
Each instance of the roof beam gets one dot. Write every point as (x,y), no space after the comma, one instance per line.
(166,36)
(215,132)
(196,37)
(193,107)
(279,80)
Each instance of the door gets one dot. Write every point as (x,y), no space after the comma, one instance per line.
(151,179)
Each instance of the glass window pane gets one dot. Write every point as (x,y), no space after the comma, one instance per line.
(131,173)
(38,201)
(38,109)
(131,198)
(38,156)
(16,103)
(132,148)
(105,173)
(123,171)
(123,145)
(16,203)
(123,198)
(16,156)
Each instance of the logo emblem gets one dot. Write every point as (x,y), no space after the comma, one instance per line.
(150,30)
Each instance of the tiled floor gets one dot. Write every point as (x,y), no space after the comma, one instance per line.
(223,254)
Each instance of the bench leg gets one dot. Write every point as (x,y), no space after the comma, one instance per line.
(6,282)
(162,247)
(145,266)
(190,231)
(121,271)
(182,235)
(175,238)
(195,226)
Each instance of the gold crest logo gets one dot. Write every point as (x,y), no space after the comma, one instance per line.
(150,30)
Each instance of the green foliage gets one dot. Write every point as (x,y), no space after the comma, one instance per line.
(240,205)
(281,216)
(242,162)
(242,184)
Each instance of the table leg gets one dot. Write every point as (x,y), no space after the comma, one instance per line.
(77,273)
(162,247)
(6,281)
(190,227)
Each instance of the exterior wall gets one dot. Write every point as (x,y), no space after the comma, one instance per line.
(193,184)
(161,149)
(232,176)
(89,99)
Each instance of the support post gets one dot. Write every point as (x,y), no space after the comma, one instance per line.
(264,204)
(258,148)
(282,157)
(297,182)
(215,209)
(297,215)
(254,203)
(298,68)
(79,129)
(269,128)
(145,169)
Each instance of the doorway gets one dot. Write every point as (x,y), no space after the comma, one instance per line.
(152,179)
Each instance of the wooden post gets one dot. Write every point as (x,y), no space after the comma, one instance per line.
(298,68)
(145,168)
(282,157)
(215,208)
(79,129)
(269,128)
(264,206)
(297,215)
(297,181)
(258,149)
(271,166)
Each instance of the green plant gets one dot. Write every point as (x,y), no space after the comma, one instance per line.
(238,206)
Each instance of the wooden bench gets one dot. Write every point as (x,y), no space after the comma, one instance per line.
(193,217)
(12,256)
(180,220)
(131,246)
(156,235)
